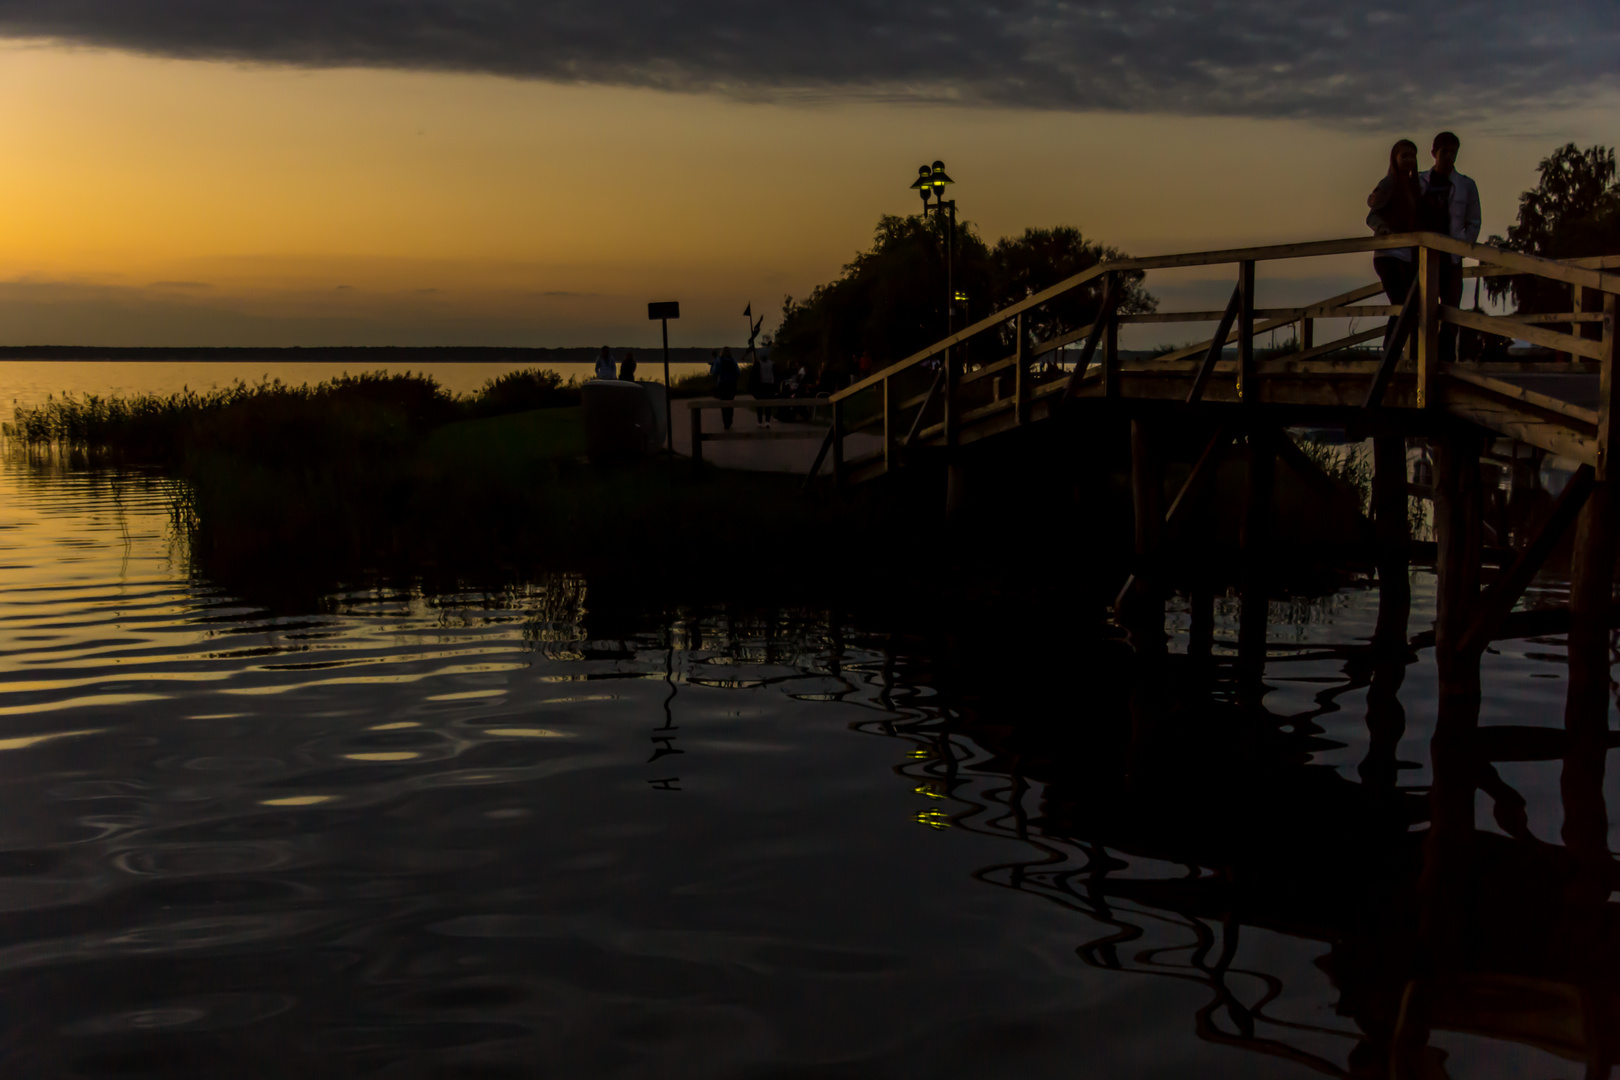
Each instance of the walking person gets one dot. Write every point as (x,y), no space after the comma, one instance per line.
(604,364)
(627,367)
(725,383)
(1393,208)
(1450,205)
(765,374)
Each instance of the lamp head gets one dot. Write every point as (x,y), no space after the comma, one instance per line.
(938,178)
(924,182)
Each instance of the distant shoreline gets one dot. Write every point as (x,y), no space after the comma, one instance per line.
(370,355)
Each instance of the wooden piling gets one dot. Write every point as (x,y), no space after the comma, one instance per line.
(1145,616)
(1393,538)
(1457,536)
(1586,705)
(1255,542)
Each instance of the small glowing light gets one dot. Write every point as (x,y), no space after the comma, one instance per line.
(928,790)
(922,752)
(961,297)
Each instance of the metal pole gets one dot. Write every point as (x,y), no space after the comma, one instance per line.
(950,272)
(669,424)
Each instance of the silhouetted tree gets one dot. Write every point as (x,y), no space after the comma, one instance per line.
(1573,212)
(890,300)
(1022,266)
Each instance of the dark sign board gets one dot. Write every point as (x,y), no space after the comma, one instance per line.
(664,309)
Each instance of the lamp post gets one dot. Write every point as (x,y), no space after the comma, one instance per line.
(930,184)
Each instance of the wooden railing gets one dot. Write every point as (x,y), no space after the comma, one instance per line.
(892,393)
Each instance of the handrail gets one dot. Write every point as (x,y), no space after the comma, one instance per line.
(1567,271)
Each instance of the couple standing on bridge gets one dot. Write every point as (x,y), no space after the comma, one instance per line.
(1441,200)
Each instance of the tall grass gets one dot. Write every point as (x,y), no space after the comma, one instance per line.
(275,422)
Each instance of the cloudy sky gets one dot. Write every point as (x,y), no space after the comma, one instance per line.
(501,172)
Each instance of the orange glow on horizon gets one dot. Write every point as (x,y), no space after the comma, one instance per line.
(174,200)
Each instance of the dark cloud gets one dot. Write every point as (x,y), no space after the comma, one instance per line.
(1368,62)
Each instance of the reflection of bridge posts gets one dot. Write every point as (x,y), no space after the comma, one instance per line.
(1445,886)
(1255,543)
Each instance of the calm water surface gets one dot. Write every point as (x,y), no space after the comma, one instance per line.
(468,835)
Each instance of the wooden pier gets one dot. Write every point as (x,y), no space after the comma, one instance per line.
(936,403)
(930,401)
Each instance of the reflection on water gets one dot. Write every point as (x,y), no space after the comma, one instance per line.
(507,832)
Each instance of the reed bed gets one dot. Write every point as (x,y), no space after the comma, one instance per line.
(274,421)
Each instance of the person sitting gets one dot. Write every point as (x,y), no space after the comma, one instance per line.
(604,364)
(627,367)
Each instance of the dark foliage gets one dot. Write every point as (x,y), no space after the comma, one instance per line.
(889,301)
(1573,212)
(519,391)
(1022,266)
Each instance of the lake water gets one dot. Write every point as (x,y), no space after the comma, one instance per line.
(518,833)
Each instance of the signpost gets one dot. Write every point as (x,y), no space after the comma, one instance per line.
(666,310)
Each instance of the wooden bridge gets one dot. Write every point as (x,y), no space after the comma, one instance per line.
(930,400)
(1561,409)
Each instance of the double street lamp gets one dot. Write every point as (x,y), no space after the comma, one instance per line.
(930,184)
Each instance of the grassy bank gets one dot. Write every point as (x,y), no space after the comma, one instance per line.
(479,500)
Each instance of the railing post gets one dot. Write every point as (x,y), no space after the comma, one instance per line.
(1110,340)
(1608,390)
(1307,332)
(1428,327)
(891,426)
(1020,370)
(1246,387)
(953,375)
(697,438)
(838,444)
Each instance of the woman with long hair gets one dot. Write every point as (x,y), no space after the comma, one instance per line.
(1393,208)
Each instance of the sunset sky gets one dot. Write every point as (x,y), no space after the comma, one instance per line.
(488,172)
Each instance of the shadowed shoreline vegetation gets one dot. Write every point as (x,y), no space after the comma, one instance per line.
(287,492)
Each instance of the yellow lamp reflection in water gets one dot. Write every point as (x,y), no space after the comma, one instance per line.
(934,819)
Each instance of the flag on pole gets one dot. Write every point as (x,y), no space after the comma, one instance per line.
(748,312)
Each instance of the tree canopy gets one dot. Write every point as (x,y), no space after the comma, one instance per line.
(889,301)
(1573,212)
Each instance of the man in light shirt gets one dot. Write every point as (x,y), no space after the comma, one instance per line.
(1452,204)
